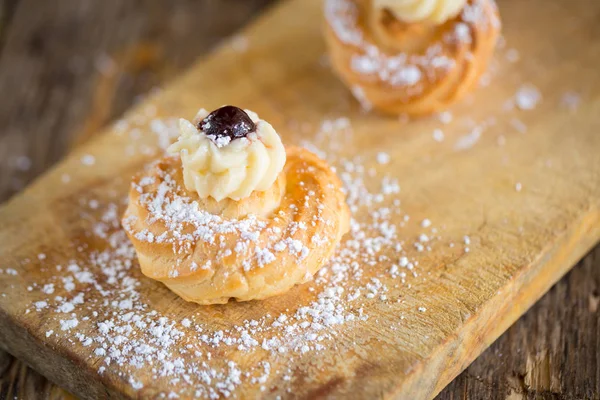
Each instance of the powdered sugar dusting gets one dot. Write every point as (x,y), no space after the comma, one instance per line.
(98,302)
(527,97)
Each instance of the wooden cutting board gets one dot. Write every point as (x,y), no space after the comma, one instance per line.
(490,204)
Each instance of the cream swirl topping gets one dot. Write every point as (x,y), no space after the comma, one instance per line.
(435,11)
(224,167)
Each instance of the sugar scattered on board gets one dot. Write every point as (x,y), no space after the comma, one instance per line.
(445,117)
(467,141)
(125,331)
(88,160)
(527,97)
(383,158)
(239,43)
(512,55)
(570,100)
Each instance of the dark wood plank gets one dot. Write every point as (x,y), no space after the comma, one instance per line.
(72,66)
(550,353)
(17,381)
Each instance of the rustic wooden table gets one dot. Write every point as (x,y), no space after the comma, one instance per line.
(68,67)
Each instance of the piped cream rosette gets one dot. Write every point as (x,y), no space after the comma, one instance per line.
(412,57)
(260,245)
(412,11)
(223,168)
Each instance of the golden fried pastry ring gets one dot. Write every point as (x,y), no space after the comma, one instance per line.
(209,252)
(409,68)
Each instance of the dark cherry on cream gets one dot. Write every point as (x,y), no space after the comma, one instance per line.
(229,121)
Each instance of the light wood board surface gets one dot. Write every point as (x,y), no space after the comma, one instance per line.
(521,241)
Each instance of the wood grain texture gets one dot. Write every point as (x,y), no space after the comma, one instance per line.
(532,379)
(550,353)
(104,55)
(118,52)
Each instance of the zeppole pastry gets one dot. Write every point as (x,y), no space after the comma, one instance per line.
(231,213)
(412,57)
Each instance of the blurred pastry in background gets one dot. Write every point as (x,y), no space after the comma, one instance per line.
(412,57)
